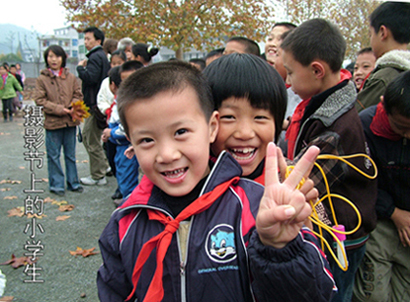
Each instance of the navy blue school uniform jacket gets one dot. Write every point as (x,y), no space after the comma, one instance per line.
(225,260)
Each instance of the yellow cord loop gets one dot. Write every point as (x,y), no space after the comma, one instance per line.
(314,217)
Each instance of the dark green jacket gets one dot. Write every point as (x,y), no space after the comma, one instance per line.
(388,66)
(10,87)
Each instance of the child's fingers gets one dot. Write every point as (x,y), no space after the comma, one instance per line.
(271,165)
(308,189)
(282,164)
(304,166)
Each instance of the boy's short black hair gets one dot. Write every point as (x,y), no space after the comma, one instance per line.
(98,33)
(199,61)
(364,50)
(160,77)
(215,52)
(316,39)
(288,25)
(130,66)
(114,76)
(396,17)
(120,53)
(250,46)
(58,51)
(397,95)
(247,76)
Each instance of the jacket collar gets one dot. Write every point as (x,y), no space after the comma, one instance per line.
(336,104)
(399,59)
(48,73)
(95,49)
(147,195)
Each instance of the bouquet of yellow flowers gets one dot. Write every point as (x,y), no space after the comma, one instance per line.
(79,111)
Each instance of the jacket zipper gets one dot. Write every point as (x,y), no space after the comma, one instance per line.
(181,270)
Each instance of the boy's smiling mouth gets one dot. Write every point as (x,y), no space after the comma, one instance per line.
(175,176)
(241,154)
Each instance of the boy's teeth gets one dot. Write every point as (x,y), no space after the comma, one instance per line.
(175,173)
(244,151)
(243,154)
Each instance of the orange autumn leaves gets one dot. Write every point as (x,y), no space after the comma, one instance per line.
(17,262)
(85,253)
(79,111)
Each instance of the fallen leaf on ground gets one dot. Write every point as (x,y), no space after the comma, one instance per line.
(48,199)
(37,216)
(22,168)
(9,181)
(68,207)
(15,212)
(85,253)
(10,197)
(59,203)
(4,190)
(84,161)
(17,262)
(62,218)
(6,299)
(44,179)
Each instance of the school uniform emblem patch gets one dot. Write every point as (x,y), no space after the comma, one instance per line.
(220,244)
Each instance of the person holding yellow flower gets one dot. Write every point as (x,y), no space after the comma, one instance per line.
(56,91)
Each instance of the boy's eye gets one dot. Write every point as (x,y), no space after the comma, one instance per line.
(261,117)
(181,131)
(227,117)
(145,140)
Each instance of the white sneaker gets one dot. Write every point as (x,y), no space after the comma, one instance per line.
(89,181)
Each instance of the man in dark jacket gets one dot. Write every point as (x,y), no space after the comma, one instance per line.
(92,71)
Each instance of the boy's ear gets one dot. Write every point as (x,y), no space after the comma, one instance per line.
(213,126)
(318,69)
(384,32)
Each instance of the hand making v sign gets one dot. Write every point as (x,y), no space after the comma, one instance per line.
(283,208)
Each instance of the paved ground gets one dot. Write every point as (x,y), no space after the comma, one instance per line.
(66,278)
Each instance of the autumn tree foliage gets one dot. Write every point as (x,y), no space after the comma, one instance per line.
(351,16)
(178,25)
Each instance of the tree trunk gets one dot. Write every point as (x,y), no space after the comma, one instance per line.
(179,53)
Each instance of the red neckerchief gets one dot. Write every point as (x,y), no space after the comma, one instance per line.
(361,86)
(380,125)
(109,110)
(294,127)
(287,86)
(162,241)
(261,178)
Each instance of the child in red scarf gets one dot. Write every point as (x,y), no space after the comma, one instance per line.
(387,129)
(192,230)
(313,54)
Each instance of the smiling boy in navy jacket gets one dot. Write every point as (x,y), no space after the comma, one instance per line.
(193,230)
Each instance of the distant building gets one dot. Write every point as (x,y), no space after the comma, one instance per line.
(166,54)
(68,38)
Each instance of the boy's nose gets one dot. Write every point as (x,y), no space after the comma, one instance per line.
(244,132)
(167,154)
